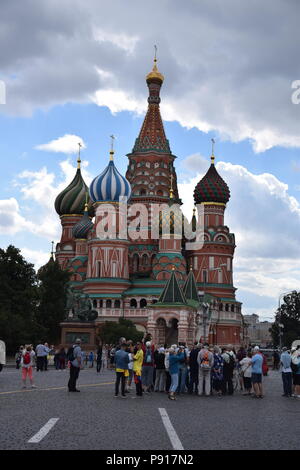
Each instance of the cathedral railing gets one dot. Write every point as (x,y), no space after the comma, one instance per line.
(120,312)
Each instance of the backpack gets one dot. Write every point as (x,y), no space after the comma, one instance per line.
(205,360)
(231,363)
(26,358)
(70,354)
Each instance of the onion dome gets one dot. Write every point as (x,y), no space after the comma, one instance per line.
(155,75)
(72,199)
(81,229)
(110,185)
(211,188)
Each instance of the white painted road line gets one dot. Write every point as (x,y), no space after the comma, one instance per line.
(175,441)
(44,431)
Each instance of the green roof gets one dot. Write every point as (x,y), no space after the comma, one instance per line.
(143,291)
(172,293)
(190,288)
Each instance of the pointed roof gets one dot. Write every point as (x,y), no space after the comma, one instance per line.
(190,288)
(172,293)
(152,135)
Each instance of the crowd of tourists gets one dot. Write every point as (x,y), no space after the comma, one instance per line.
(203,369)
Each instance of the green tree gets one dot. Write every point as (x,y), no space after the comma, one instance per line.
(52,299)
(111,331)
(287,315)
(18,299)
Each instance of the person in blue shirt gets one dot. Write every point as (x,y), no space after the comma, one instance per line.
(174,360)
(257,363)
(121,362)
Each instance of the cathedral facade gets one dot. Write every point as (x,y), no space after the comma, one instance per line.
(132,254)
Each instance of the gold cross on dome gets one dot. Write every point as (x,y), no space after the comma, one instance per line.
(112,147)
(155,52)
(78,159)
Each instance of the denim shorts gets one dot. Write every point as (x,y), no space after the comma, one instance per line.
(256,378)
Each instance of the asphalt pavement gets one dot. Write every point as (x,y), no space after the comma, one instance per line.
(50,418)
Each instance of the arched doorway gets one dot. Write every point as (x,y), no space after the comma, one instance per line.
(161,328)
(172,332)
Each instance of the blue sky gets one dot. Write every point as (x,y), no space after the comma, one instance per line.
(223,79)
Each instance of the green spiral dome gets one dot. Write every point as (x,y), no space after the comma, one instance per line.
(72,199)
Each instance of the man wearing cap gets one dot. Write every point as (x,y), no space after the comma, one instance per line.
(257,362)
(285,361)
(75,366)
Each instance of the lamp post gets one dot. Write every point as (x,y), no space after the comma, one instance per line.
(205,308)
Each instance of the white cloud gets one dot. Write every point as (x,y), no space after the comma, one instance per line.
(36,257)
(230,73)
(67,144)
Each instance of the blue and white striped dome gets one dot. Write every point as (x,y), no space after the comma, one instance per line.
(109,186)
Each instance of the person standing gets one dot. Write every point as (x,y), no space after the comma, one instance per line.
(99,359)
(246,372)
(276,360)
(18,357)
(228,368)
(205,361)
(40,356)
(148,366)
(286,373)
(194,368)
(91,359)
(257,363)
(137,369)
(27,362)
(47,350)
(75,359)
(296,367)
(183,369)
(62,359)
(160,380)
(217,371)
(121,363)
(174,360)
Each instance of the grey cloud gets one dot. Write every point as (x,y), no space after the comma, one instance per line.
(228,65)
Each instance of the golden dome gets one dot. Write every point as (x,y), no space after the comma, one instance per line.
(155,73)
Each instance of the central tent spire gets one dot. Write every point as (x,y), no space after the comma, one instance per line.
(152,137)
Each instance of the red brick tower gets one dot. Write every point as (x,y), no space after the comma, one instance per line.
(150,171)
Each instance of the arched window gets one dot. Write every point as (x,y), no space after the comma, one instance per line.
(143,192)
(232,307)
(221,307)
(108,303)
(117,303)
(94,303)
(227,307)
(145,260)
(136,262)
(101,303)
(143,303)
(133,303)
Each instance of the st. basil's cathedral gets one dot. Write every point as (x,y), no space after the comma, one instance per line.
(177,292)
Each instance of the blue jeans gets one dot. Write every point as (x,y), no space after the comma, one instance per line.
(182,373)
(174,382)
